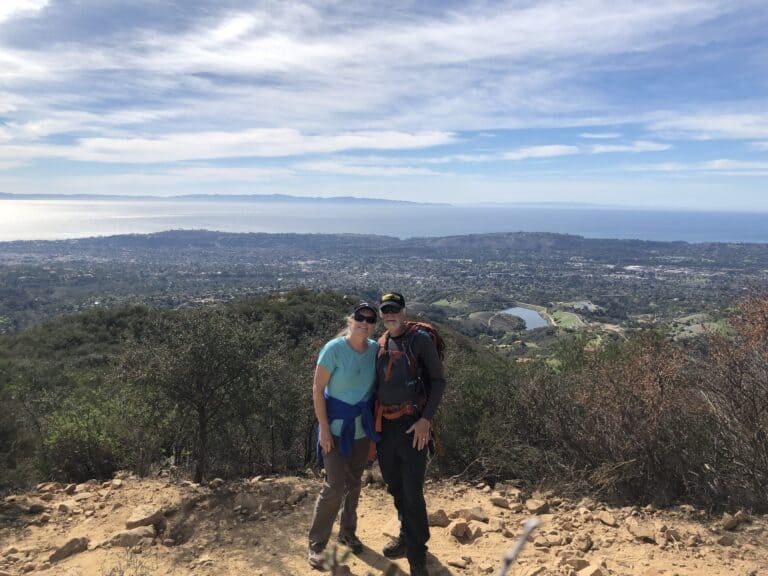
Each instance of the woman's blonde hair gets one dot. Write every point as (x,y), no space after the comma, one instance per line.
(346,331)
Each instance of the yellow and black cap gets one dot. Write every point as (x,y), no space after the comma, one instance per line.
(391,300)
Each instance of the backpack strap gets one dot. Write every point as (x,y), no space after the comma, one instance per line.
(393,355)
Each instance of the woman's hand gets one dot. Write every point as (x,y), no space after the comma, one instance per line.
(420,431)
(326,439)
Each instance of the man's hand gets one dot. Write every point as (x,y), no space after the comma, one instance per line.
(420,431)
(326,439)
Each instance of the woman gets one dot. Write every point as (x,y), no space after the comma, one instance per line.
(341,393)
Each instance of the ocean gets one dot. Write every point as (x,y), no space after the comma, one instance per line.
(36,219)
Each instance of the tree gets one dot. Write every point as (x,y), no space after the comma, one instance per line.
(199,359)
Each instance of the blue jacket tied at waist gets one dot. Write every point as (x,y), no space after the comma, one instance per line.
(339,410)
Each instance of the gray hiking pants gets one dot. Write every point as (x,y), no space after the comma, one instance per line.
(341,490)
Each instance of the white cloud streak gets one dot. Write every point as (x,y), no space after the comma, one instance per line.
(713,125)
(638,146)
(600,135)
(342,168)
(549,151)
(722,165)
(263,143)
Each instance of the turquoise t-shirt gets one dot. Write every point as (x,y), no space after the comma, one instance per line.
(352,376)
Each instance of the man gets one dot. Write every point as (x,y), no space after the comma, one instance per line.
(410,384)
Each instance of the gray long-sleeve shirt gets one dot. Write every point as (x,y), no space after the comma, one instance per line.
(401,386)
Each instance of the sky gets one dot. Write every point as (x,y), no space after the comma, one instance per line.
(647,104)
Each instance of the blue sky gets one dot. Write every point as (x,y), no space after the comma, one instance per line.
(650,104)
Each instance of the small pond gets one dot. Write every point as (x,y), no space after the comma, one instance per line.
(532,318)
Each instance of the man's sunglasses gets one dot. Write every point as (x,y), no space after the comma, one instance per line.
(363,318)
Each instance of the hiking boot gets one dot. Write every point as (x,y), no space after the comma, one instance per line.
(352,541)
(396,548)
(316,559)
(419,569)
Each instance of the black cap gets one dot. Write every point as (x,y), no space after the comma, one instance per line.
(392,299)
(364,306)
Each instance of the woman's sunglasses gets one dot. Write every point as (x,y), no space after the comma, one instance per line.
(364,318)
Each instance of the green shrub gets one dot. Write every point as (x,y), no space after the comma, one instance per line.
(77,445)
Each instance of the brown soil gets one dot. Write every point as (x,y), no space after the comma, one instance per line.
(252,528)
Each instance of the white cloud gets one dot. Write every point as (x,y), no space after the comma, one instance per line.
(600,135)
(549,151)
(343,168)
(228,173)
(637,146)
(267,142)
(13,8)
(726,164)
(721,166)
(709,126)
(760,145)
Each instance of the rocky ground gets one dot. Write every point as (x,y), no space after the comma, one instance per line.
(137,527)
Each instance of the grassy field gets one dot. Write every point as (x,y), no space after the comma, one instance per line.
(567,320)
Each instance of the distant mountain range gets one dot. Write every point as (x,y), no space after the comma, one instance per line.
(213,198)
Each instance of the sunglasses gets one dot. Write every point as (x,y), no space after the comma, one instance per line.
(363,318)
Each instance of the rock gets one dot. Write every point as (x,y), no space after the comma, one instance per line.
(475,530)
(74,546)
(68,507)
(460,530)
(607,519)
(582,542)
(439,518)
(116,483)
(36,508)
(575,562)
(47,487)
(535,571)
(496,525)
(82,496)
(537,506)
(133,537)
(297,495)
(729,522)
(459,563)
(727,540)
(541,542)
(641,532)
(673,535)
(216,483)
(28,567)
(271,505)
(742,517)
(500,501)
(144,516)
(70,489)
(468,514)
(593,570)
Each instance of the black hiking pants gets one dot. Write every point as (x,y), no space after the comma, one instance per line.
(403,468)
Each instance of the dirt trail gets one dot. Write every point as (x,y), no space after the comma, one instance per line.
(258,527)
